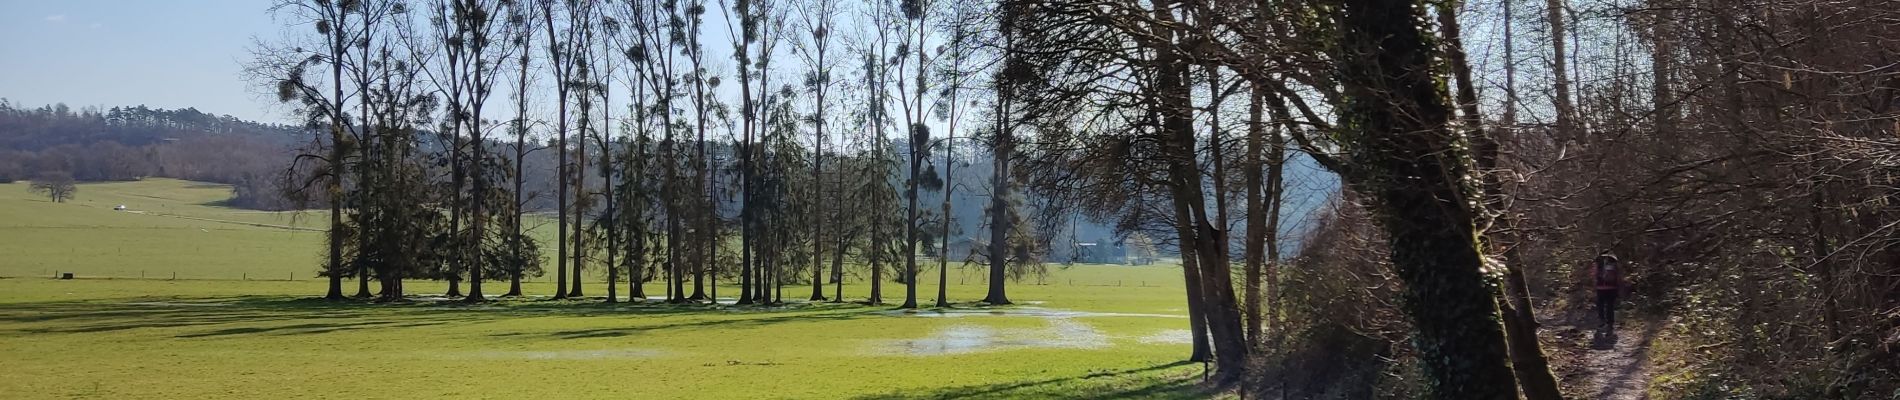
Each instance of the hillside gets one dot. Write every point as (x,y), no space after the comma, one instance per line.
(170,226)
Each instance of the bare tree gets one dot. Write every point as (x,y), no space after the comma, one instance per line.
(56,185)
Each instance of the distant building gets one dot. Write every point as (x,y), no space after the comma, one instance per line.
(1100,253)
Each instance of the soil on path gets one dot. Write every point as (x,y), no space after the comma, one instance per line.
(1606,367)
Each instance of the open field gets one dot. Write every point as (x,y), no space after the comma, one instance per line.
(1091,332)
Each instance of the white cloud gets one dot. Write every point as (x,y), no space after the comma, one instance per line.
(56,18)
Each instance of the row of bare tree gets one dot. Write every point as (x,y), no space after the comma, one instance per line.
(1726,147)
(660,165)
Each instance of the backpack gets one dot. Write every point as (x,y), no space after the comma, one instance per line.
(1607,275)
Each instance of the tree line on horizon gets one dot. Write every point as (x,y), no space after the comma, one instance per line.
(129,143)
(1722,146)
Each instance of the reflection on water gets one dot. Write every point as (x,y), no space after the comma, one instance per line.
(1017,312)
(1171,336)
(1061,333)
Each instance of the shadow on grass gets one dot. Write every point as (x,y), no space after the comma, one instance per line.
(300,329)
(282,315)
(1165,381)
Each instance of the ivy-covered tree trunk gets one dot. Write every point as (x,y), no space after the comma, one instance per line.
(1404,154)
(1520,325)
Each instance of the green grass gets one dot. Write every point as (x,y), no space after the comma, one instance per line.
(155,338)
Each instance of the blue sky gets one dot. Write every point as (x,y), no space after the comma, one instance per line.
(169,54)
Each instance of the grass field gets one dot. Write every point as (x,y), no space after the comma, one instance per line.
(1091,332)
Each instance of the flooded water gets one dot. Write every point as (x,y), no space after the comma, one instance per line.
(1018,312)
(1061,333)
(1171,336)
(1064,329)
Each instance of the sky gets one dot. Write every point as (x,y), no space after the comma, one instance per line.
(160,53)
(171,54)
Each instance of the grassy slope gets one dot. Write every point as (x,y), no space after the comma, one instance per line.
(87,237)
(227,339)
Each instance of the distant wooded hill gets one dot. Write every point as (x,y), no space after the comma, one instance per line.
(128,143)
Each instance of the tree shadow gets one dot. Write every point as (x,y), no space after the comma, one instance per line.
(302,329)
(283,315)
(1152,382)
(250,316)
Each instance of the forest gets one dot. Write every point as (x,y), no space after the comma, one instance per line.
(1366,198)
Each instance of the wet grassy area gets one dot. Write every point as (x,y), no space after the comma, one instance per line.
(236,339)
(1086,331)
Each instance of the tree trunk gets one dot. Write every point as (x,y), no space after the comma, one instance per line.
(1275,198)
(918,147)
(837,270)
(607,183)
(818,190)
(334,192)
(1184,182)
(1202,351)
(521,153)
(1000,221)
(877,269)
(1256,215)
(335,267)
(704,189)
(362,281)
(1520,322)
(1560,80)
(477,214)
(456,175)
(580,207)
(1405,157)
(943,248)
(560,183)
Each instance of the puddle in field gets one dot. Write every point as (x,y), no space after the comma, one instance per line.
(1062,333)
(1171,336)
(598,354)
(1017,312)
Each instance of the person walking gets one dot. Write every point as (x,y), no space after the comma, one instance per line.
(1607,277)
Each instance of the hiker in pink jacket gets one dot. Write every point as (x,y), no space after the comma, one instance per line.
(1606,275)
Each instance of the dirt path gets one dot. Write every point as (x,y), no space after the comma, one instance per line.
(1605,367)
(1617,367)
